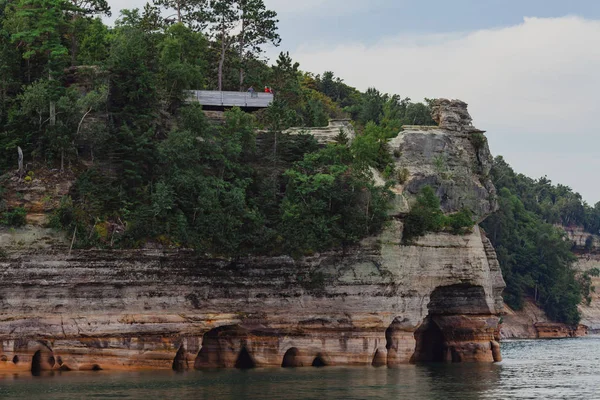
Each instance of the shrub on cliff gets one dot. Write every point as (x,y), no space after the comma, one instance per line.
(426,216)
(14,217)
(330,201)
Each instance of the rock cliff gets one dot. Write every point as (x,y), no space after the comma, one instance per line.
(382,302)
(587,250)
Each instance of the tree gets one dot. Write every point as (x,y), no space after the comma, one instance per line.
(79,14)
(224,18)
(330,201)
(39,32)
(94,45)
(286,79)
(181,64)
(534,255)
(258,27)
(193,13)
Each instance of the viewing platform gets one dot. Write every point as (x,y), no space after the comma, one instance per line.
(219,100)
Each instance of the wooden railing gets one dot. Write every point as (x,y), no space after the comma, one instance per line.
(231,99)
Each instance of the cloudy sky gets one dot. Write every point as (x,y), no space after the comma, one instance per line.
(529,69)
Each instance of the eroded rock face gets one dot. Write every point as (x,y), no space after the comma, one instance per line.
(383,302)
(453,158)
(327,134)
(587,250)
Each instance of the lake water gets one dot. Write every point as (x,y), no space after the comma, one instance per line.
(532,369)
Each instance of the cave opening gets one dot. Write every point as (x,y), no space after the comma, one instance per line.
(430,343)
(244,360)
(319,361)
(290,358)
(15,360)
(36,363)
(379,359)
(180,361)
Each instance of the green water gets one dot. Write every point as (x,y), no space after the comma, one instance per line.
(543,369)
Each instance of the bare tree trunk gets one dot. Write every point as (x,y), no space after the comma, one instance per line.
(52,113)
(222,60)
(242,44)
(52,104)
(73,48)
(179,11)
(73,240)
(20,154)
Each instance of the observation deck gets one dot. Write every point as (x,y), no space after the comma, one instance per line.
(220,100)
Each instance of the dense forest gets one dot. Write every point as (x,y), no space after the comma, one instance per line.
(534,253)
(107,104)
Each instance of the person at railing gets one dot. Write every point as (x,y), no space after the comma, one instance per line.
(253,94)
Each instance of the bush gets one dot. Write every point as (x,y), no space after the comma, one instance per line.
(14,217)
(426,216)
(461,222)
(478,140)
(403,175)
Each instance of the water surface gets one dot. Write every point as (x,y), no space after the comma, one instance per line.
(533,369)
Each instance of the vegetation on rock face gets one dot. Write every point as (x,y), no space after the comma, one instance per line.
(535,255)
(14,217)
(426,216)
(109,103)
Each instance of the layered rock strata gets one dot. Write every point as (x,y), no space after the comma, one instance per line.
(587,250)
(383,302)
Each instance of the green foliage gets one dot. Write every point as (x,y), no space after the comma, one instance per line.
(585,282)
(554,204)
(478,140)
(94,44)
(150,167)
(14,217)
(535,258)
(589,243)
(461,222)
(330,201)
(426,216)
(403,175)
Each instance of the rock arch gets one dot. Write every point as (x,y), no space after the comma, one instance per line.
(36,363)
(244,360)
(42,360)
(430,343)
(459,327)
(180,360)
(221,347)
(320,361)
(291,358)
(379,358)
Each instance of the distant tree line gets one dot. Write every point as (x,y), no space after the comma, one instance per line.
(534,253)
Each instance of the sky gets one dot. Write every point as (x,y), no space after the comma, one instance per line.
(529,69)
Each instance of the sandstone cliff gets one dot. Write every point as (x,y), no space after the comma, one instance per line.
(588,258)
(381,303)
